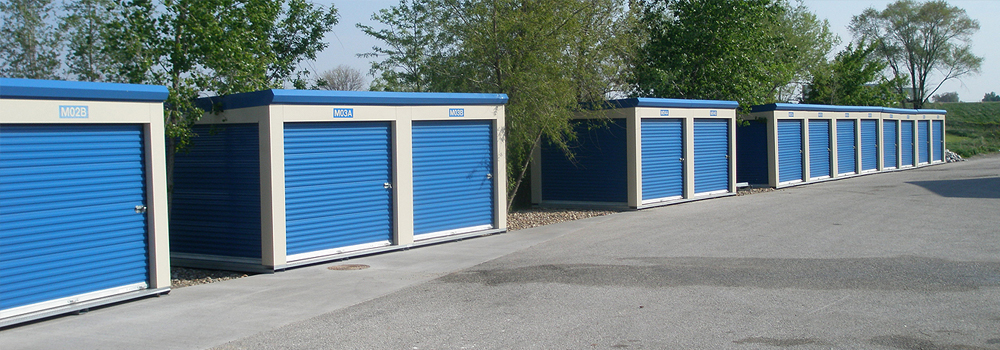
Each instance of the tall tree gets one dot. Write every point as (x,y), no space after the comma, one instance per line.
(749,51)
(854,78)
(550,57)
(925,44)
(83,26)
(30,44)
(341,78)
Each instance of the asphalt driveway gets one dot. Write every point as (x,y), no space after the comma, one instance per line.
(902,260)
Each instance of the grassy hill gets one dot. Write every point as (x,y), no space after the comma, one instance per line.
(971,127)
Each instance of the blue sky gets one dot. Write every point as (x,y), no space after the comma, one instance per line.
(346,40)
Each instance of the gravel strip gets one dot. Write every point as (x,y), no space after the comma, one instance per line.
(183,277)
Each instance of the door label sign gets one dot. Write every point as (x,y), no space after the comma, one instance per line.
(664,112)
(713,113)
(73,112)
(343,112)
(456,112)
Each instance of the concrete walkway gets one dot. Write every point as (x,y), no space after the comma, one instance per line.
(904,260)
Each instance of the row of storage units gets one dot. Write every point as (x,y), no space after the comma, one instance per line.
(788,144)
(641,153)
(83,196)
(282,178)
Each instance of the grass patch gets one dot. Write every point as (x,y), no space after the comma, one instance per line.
(971,127)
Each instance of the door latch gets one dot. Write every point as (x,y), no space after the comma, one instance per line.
(489,176)
(140,209)
(387,185)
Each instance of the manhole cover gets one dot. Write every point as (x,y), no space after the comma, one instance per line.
(348,267)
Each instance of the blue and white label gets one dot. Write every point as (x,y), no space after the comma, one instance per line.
(343,112)
(821,114)
(791,114)
(664,112)
(74,112)
(456,112)
(713,113)
(847,115)
(869,115)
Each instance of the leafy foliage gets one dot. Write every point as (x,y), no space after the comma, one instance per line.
(854,78)
(991,97)
(945,97)
(919,41)
(29,44)
(748,51)
(341,78)
(84,26)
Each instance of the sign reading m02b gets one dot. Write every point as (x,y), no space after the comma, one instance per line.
(452,177)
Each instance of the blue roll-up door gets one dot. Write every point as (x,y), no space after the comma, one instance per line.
(846,156)
(869,145)
(923,141)
(221,169)
(662,158)
(906,143)
(711,155)
(598,170)
(938,140)
(68,218)
(452,176)
(889,145)
(789,150)
(337,185)
(819,148)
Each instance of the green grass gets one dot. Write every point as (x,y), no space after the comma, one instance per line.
(971,128)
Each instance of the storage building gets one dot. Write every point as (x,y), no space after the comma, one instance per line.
(83,196)
(281,178)
(640,153)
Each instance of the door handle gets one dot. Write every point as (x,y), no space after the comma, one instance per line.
(140,209)
(387,185)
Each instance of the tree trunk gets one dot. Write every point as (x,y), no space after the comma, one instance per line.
(524,169)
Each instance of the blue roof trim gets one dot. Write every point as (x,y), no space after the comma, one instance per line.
(811,107)
(932,111)
(899,110)
(672,103)
(80,90)
(363,98)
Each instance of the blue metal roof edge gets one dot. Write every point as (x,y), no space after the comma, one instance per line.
(363,98)
(35,89)
(672,103)
(932,111)
(812,107)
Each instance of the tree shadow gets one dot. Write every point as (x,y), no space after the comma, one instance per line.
(988,187)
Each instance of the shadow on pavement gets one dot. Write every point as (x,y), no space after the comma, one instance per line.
(892,273)
(964,188)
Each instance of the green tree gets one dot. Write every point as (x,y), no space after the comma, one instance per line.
(751,51)
(83,26)
(991,97)
(29,44)
(921,40)
(550,57)
(945,97)
(854,78)
(201,47)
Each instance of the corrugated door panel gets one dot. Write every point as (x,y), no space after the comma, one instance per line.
(452,175)
(923,141)
(889,145)
(68,222)
(662,151)
(906,143)
(869,144)
(711,155)
(751,152)
(216,208)
(789,150)
(938,140)
(819,148)
(335,193)
(846,156)
(597,173)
